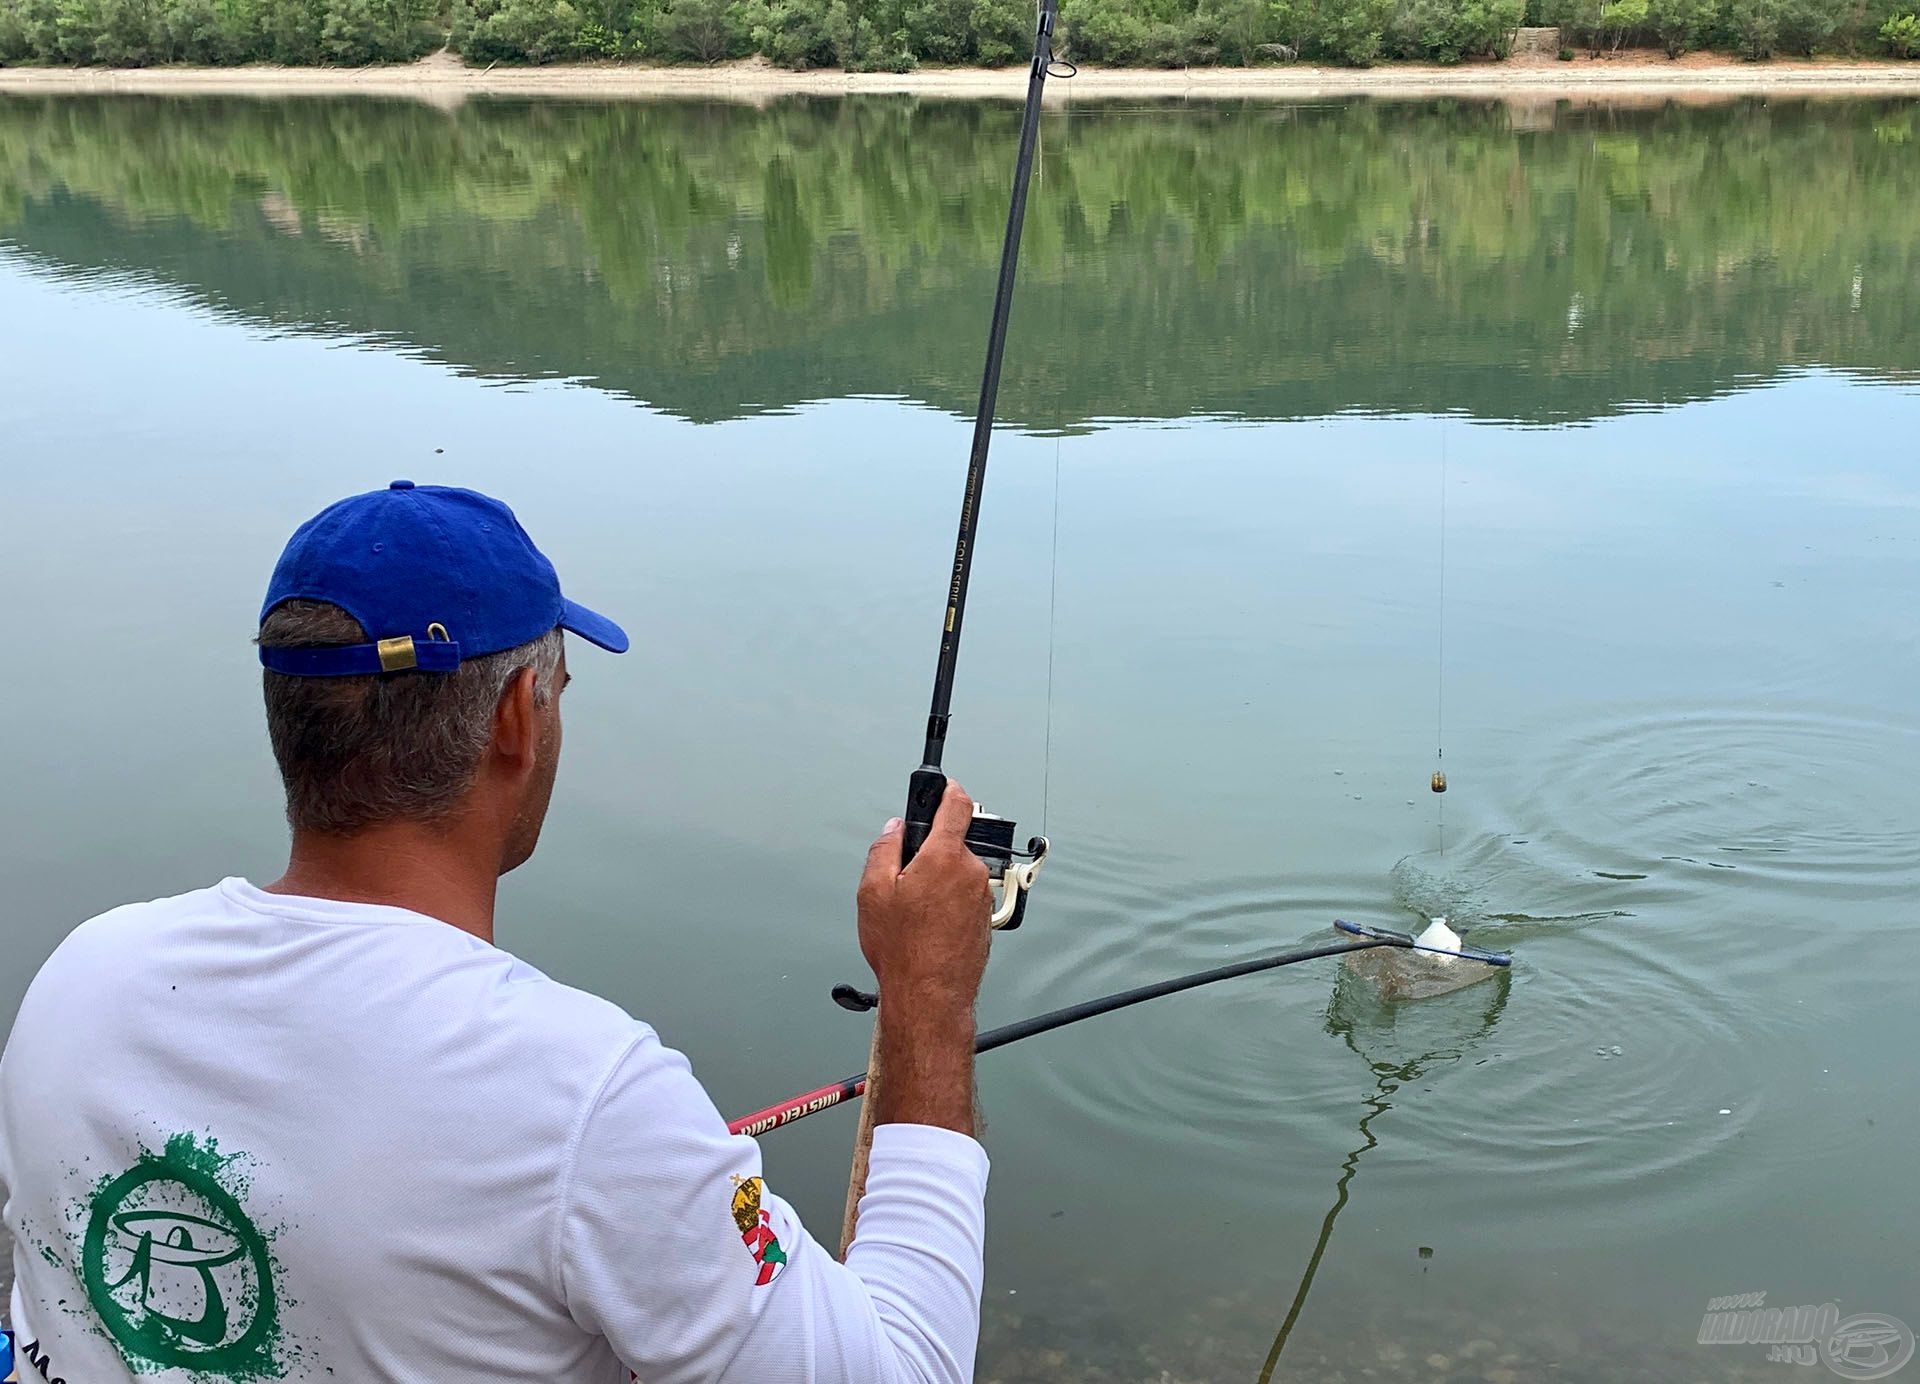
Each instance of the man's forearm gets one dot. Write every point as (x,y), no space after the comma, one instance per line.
(926,1054)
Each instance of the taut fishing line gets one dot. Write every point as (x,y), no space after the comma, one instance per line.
(1440,669)
(1053,573)
(1053,606)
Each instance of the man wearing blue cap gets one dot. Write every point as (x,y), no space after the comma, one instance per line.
(324,1129)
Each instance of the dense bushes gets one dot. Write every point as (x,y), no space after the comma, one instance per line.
(896,35)
(1352,32)
(1448,30)
(1754,29)
(136,33)
(516,30)
(1680,25)
(860,35)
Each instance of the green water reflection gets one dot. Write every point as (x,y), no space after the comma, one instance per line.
(1528,264)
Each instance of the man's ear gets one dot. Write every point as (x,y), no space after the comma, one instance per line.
(516,721)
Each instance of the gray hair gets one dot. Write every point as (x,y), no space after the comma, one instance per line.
(381,747)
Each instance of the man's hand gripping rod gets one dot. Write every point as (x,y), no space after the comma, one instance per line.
(990,837)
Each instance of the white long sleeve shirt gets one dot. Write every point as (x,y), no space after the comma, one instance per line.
(251,1137)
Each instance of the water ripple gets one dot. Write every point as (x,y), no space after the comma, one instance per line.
(1615,1066)
(1795,799)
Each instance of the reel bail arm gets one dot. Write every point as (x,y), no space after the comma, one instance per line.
(991,838)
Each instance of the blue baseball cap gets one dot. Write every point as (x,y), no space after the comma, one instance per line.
(433,573)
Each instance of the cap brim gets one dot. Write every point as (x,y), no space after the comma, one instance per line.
(592,627)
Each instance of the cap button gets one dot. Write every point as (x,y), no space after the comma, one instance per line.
(401,485)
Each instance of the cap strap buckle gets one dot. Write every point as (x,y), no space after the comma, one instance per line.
(397,655)
(401,654)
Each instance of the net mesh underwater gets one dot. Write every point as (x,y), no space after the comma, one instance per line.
(1401,973)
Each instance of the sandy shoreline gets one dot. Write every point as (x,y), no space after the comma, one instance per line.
(442,79)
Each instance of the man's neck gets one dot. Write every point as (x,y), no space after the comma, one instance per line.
(408,865)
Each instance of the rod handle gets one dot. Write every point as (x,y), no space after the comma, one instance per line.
(924,791)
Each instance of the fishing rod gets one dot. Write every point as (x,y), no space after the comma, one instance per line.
(1365,937)
(990,837)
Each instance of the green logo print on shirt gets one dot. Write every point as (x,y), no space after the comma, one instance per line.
(178,1273)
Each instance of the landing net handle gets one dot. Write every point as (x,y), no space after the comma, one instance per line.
(826,1097)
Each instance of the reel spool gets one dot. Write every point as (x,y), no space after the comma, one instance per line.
(991,838)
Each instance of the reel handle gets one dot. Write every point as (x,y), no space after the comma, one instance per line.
(924,791)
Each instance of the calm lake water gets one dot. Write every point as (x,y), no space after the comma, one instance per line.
(1659,370)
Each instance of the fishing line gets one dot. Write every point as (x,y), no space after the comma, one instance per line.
(1053,605)
(1053,574)
(1440,669)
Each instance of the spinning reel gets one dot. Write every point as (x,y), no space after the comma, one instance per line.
(991,838)
(1010,874)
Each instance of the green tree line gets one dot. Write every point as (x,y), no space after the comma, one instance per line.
(897,35)
(1754,29)
(141,33)
(1261,260)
